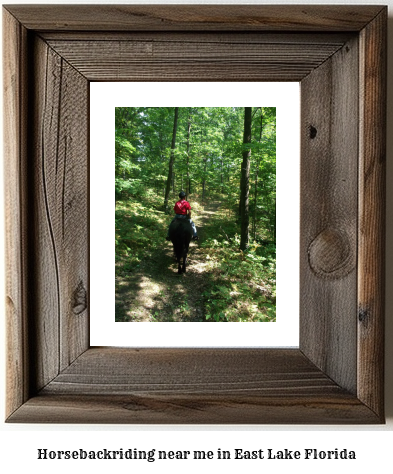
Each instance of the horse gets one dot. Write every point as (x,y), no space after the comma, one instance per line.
(180,234)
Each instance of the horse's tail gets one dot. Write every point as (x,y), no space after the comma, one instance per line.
(180,233)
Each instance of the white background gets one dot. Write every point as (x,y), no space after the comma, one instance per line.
(19,443)
(104,97)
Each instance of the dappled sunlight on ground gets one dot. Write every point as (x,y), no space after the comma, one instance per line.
(220,282)
(157,292)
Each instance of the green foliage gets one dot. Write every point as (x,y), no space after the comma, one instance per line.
(208,159)
(139,227)
(240,286)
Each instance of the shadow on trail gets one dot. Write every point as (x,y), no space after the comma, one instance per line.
(156,292)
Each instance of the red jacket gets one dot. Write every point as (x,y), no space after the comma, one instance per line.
(181,207)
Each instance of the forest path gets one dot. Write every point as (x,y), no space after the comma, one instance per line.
(156,292)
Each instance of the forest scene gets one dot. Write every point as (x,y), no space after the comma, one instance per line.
(224,160)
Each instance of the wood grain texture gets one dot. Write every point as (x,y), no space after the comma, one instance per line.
(197,385)
(201,37)
(60,186)
(185,60)
(371,262)
(194,409)
(52,374)
(14,73)
(207,371)
(199,17)
(329,169)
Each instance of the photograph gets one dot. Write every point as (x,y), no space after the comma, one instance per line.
(195,217)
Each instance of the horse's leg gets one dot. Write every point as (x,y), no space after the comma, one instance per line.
(185,253)
(184,262)
(179,269)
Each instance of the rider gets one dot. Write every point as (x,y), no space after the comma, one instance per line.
(183,211)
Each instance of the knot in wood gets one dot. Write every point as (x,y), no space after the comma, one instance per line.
(331,254)
(363,316)
(313,132)
(80,299)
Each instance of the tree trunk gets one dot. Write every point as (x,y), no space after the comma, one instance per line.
(171,160)
(188,183)
(254,223)
(222,175)
(245,178)
(204,179)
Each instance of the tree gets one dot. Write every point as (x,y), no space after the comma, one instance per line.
(245,178)
(263,206)
(254,220)
(203,148)
(171,160)
(188,185)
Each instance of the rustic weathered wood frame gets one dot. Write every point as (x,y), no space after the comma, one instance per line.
(338,54)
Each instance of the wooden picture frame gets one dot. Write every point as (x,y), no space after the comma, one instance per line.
(338,54)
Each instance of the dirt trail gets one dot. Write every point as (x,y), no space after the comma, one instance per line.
(155,292)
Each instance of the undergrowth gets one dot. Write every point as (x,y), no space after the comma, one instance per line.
(140,227)
(239,286)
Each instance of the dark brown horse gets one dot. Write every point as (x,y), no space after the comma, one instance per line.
(180,233)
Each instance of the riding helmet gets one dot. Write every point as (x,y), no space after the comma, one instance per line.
(182,194)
